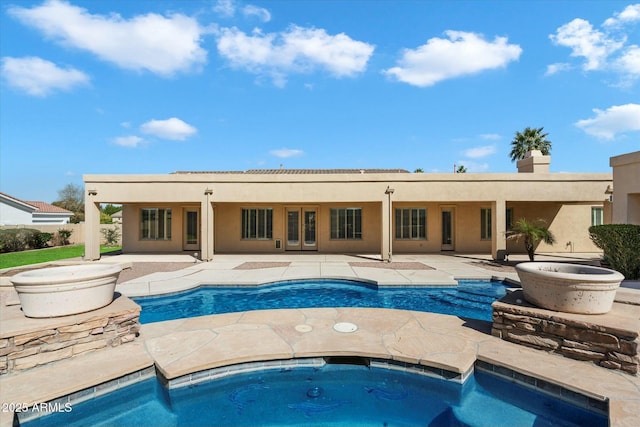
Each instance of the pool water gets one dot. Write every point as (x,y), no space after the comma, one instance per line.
(470,299)
(330,395)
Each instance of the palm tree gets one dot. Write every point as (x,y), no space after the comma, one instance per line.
(532,233)
(529,139)
(461,169)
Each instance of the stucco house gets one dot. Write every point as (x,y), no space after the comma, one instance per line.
(363,211)
(625,193)
(14,211)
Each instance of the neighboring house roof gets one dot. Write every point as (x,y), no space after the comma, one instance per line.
(299,171)
(117,214)
(38,207)
(22,203)
(43,207)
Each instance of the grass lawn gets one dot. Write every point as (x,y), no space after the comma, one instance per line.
(16,259)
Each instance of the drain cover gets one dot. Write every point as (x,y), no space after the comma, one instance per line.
(345,327)
(304,328)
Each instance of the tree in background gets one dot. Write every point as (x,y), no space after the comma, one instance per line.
(71,198)
(461,169)
(527,140)
(106,211)
(419,170)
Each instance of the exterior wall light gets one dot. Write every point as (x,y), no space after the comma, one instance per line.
(93,192)
(208,192)
(609,192)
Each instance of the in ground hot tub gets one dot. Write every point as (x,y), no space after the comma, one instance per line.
(62,291)
(571,288)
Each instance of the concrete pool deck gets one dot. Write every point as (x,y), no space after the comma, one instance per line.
(182,347)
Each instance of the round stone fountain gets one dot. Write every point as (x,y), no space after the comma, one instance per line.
(62,291)
(570,288)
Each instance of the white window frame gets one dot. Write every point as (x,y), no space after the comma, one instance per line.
(411,224)
(597,215)
(257,223)
(346,224)
(155,224)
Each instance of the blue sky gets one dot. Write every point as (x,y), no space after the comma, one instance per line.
(140,87)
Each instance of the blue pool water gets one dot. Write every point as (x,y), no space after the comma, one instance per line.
(470,299)
(330,395)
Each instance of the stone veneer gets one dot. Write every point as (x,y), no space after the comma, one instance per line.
(26,342)
(609,340)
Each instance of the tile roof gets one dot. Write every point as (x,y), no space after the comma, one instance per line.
(41,207)
(47,208)
(299,171)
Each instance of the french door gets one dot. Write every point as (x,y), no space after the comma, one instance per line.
(301,229)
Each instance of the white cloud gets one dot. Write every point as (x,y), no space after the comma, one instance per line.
(612,121)
(629,61)
(557,67)
(173,128)
(296,50)
(490,136)
(39,77)
(630,14)
(286,152)
(259,12)
(478,152)
(461,53)
(128,141)
(605,49)
(225,8)
(161,45)
(585,41)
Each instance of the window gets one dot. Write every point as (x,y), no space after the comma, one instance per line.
(346,223)
(485,224)
(597,216)
(509,218)
(411,223)
(155,224)
(257,224)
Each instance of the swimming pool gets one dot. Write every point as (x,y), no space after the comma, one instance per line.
(470,299)
(328,394)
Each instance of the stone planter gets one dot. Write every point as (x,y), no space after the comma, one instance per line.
(570,288)
(62,291)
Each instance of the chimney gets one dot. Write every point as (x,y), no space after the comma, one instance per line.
(534,162)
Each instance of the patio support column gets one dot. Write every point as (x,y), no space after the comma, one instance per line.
(387,225)
(91,229)
(498,225)
(206,233)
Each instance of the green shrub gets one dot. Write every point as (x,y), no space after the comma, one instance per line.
(111,236)
(63,236)
(621,246)
(13,240)
(38,239)
(20,239)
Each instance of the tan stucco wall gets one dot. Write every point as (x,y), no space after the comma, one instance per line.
(131,241)
(626,189)
(560,197)
(228,218)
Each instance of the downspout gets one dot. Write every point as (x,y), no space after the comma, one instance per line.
(389,191)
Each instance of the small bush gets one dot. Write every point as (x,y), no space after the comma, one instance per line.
(20,239)
(38,240)
(13,240)
(63,236)
(111,236)
(621,246)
